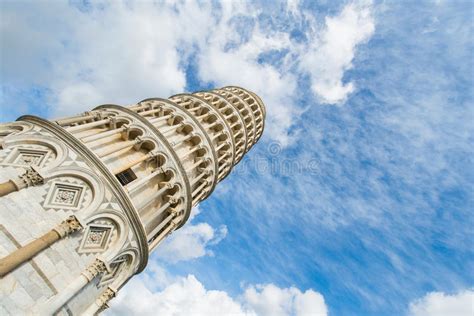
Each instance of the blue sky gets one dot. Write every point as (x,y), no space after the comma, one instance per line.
(358,199)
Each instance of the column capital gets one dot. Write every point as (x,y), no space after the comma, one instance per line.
(31,177)
(138,141)
(175,222)
(106,296)
(68,226)
(94,269)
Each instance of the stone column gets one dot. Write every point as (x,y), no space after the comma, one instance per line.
(56,302)
(30,250)
(7,187)
(165,232)
(31,177)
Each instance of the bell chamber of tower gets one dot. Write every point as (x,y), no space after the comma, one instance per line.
(85,199)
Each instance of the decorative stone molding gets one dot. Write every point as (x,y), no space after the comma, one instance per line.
(115,269)
(67,227)
(95,268)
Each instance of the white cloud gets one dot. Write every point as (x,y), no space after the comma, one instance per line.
(292,6)
(441,304)
(191,241)
(272,300)
(188,296)
(239,66)
(157,291)
(332,54)
(119,54)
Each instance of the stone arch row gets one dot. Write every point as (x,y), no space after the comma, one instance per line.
(246,114)
(234,120)
(256,106)
(215,126)
(188,139)
(148,170)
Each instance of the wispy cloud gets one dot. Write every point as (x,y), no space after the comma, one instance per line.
(330,55)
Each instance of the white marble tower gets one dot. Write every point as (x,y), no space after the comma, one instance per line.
(85,199)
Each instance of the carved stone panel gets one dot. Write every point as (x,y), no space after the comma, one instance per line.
(64,195)
(68,193)
(97,237)
(29,155)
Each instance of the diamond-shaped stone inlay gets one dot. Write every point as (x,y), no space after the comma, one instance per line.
(96,238)
(64,195)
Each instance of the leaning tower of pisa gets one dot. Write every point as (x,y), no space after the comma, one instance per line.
(85,199)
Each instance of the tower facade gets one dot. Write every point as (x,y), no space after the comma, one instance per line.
(85,199)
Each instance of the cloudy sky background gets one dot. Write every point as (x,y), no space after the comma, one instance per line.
(358,199)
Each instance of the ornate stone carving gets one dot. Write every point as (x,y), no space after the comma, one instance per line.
(26,155)
(95,268)
(70,225)
(66,194)
(98,115)
(105,297)
(103,308)
(97,237)
(173,200)
(30,157)
(31,177)
(138,140)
